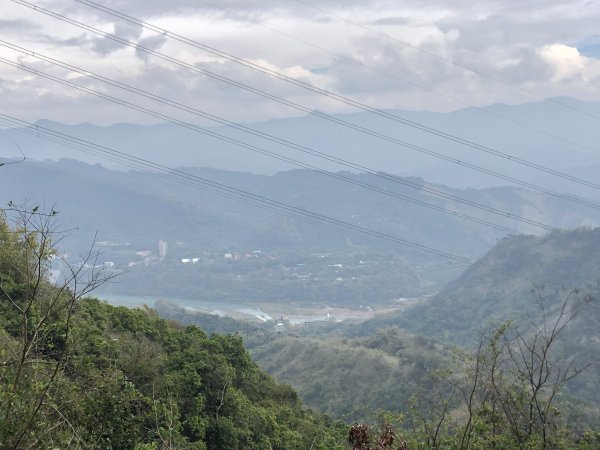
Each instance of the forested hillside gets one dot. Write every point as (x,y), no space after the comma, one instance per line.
(331,373)
(328,369)
(78,373)
(525,281)
(436,396)
(508,283)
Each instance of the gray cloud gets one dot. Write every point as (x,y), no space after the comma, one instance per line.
(401,63)
(391,21)
(126,30)
(151,43)
(501,38)
(104,46)
(18,25)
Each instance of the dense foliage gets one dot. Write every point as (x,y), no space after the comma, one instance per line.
(331,373)
(329,370)
(78,373)
(507,283)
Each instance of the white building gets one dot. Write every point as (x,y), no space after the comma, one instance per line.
(163,247)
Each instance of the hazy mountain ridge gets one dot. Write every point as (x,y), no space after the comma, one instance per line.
(575,146)
(140,208)
(177,209)
(506,284)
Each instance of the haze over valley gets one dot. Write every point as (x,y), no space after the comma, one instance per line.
(299,225)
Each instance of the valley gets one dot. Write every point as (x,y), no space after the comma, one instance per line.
(299,225)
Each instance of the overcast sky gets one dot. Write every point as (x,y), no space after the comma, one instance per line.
(548,47)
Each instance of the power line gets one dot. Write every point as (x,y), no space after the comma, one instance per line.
(336,119)
(226,191)
(240,193)
(406,81)
(265,136)
(449,60)
(338,97)
(371,187)
(302,164)
(35,131)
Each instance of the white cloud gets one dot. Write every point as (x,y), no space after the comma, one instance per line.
(528,43)
(566,61)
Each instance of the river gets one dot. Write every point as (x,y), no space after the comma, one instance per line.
(218,308)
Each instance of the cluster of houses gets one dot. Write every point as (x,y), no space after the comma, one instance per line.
(233,256)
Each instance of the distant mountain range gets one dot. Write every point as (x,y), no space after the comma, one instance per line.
(129,212)
(497,126)
(142,208)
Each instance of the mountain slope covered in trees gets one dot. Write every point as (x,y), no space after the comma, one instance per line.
(78,373)
(521,386)
(508,283)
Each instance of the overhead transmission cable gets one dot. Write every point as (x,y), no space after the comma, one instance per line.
(321,155)
(246,129)
(265,152)
(395,76)
(272,138)
(366,131)
(337,97)
(240,193)
(226,191)
(33,130)
(448,60)
(331,117)
(36,131)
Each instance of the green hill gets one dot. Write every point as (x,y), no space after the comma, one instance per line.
(329,371)
(525,280)
(507,283)
(353,379)
(78,373)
